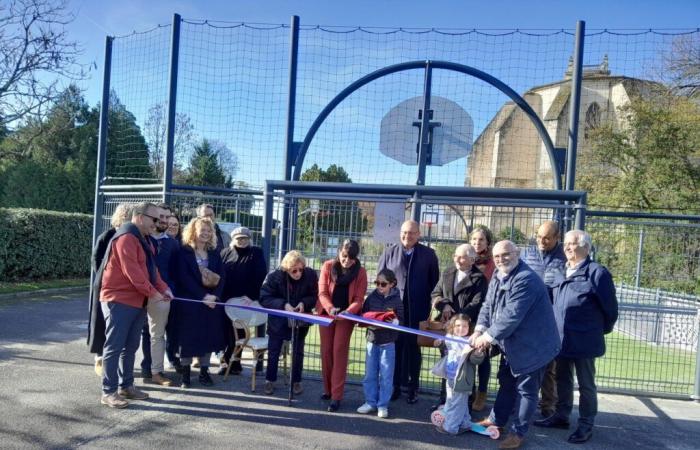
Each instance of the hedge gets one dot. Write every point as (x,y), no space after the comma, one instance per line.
(37,244)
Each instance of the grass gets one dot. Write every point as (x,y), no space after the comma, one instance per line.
(28,286)
(629,364)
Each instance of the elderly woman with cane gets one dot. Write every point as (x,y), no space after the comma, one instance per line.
(292,287)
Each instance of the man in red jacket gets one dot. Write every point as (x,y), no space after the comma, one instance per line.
(127,280)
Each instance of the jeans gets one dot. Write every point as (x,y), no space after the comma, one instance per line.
(588,398)
(456,410)
(408,362)
(123,327)
(378,383)
(484,371)
(516,393)
(274,349)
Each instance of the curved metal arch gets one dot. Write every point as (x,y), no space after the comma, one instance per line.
(467,70)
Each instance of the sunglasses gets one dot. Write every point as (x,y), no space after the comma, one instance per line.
(382,283)
(154,219)
(293,271)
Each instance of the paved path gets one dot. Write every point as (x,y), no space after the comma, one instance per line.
(50,399)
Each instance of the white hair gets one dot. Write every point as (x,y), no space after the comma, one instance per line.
(582,238)
(466,249)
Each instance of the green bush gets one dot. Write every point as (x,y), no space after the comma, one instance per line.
(38,244)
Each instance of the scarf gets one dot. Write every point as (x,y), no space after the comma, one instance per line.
(341,292)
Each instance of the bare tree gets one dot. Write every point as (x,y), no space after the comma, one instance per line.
(35,53)
(682,65)
(155,130)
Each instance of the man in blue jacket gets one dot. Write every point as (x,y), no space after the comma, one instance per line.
(517,317)
(585,308)
(548,261)
(417,273)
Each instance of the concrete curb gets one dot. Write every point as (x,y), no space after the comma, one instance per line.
(45,292)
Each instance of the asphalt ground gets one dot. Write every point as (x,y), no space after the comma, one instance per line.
(49,398)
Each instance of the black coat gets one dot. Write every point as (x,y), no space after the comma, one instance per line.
(96,320)
(279,289)
(200,329)
(466,298)
(415,281)
(245,270)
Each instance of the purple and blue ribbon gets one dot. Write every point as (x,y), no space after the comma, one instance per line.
(401,328)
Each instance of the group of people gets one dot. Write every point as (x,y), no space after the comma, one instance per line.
(545,313)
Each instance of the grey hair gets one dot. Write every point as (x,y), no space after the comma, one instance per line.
(141,208)
(466,248)
(583,239)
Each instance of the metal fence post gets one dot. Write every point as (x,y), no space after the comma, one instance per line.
(696,394)
(286,235)
(172,108)
(657,323)
(424,142)
(268,201)
(640,254)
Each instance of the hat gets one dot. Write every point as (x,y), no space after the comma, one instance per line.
(239,232)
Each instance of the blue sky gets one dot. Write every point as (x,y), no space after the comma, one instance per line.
(233,81)
(95,20)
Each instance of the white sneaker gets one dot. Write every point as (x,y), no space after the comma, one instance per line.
(366,408)
(383,413)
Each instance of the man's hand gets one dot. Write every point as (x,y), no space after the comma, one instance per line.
(475,335)
(481,343)
(447,312)
(157,297)
(210,300)
(299,308)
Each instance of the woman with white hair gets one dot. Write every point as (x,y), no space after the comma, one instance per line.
(292,287)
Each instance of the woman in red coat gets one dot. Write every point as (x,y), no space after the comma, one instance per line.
(341,287)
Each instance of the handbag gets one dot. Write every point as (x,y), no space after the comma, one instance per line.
(210,279)
(434,326)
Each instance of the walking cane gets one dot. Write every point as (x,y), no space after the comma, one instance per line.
(295,328)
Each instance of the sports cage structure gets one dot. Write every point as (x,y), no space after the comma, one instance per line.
(320,134)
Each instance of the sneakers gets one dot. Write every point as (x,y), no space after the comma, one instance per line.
(382,413)
(269,388)
(366,408)
(160,379)
(297,388)
(512,441)
(133,393)
(98,367)
(480,401)
(114,400)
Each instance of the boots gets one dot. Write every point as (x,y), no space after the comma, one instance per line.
(185,372)
(204,377)
(480,401)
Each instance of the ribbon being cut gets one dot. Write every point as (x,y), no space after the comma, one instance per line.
(326,321)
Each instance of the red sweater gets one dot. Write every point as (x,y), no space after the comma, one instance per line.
(356,290)
(125,278)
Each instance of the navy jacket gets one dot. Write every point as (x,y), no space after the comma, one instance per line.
(518,315)
(200,329)
(166,254)
(376,302)
(585,307)
(279,288)
(415,280)
(550,266)
(465,298)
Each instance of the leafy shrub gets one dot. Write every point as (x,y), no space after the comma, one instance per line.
(38,244)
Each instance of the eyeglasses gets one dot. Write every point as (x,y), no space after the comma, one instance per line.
(154,219)
(382,283)
(294,271)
